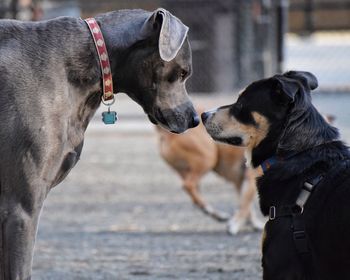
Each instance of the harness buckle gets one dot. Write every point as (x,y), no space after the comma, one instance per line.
(300,241)
(300,234)
(272,213)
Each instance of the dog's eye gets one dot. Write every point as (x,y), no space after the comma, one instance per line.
(183,74)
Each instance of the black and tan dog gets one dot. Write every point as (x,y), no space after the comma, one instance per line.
(51,86)
(305,185)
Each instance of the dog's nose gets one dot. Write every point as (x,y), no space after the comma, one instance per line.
(205,116)
(195,120)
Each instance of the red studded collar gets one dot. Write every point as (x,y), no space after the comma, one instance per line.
(103,57)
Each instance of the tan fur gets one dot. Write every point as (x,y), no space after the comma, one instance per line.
(193,154)
(258,133)
(252,135)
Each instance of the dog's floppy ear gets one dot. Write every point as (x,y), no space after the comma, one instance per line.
(172,32)
(306,78)
(286,88)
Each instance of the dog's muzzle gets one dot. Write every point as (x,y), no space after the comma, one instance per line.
(176,120)
(207,114)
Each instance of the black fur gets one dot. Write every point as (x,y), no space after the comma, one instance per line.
(310,143)
(307,146)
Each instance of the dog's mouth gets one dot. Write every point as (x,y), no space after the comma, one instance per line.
(162,123)
(176,120)
(152,119)
(158,119)
(235,141)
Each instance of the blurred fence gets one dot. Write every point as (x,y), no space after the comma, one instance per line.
(237,41)
(307,16)
(233,42)
(326,54)
(319,41)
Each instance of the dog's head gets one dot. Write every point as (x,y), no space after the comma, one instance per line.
(271,116)
(151,61)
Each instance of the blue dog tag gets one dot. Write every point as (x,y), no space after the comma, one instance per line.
(109,117)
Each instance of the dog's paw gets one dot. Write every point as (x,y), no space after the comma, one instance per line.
(235,225)
(216,214)
(258,223)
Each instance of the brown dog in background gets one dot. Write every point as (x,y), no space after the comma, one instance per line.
(194,154)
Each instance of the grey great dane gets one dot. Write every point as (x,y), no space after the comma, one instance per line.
(51,87)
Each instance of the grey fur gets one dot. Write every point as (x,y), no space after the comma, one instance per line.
(50,89)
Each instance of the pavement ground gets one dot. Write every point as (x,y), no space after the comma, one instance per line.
(121,212)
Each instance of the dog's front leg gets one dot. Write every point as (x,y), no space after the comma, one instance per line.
(17,238)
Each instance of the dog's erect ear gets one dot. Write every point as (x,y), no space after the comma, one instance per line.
(286,88)
(306,78)
(172,32)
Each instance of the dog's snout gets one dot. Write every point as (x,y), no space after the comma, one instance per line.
(205,116)
(195,120)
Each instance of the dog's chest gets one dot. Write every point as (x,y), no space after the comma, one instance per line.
(69,161)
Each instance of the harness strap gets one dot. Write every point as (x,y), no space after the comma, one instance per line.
(300,237)
(283,211)
(307,189)
(301,242)
(299,233)
(298,208)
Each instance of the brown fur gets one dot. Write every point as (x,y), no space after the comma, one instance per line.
(194,154)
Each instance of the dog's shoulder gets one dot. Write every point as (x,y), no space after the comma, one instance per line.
(282,183)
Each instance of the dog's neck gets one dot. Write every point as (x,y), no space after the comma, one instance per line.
(83,65)
(304,129)
(301,133)
(266,148)
(122,38)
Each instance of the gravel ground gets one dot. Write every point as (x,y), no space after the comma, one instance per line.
(121,214)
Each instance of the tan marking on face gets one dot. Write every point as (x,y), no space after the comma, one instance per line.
(258,133)
(223,125)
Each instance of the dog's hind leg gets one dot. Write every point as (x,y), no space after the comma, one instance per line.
(191,186)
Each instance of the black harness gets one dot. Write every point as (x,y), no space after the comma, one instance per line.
(295,211)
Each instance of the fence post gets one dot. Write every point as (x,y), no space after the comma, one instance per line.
(14,8)
(282,28)
(308,16)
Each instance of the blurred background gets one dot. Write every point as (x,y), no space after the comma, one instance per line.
(121,213)
(236,41)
